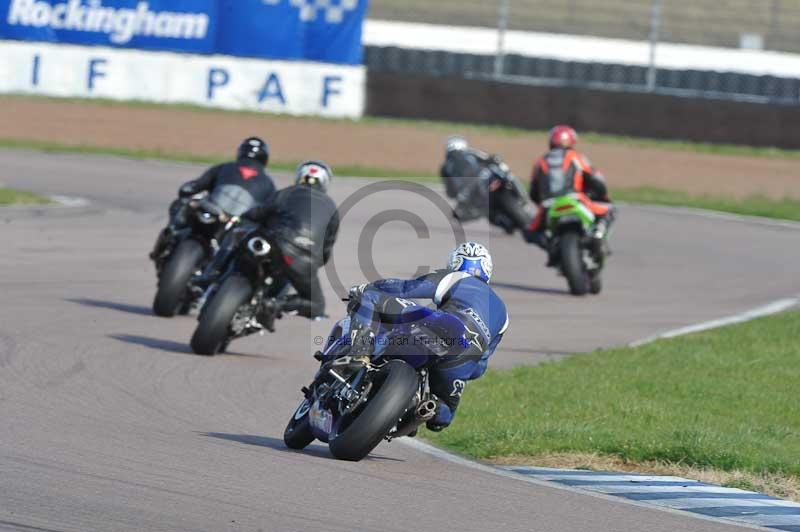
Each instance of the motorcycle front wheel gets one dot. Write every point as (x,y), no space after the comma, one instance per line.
(298,433)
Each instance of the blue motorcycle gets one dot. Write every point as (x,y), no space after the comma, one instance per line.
(355,402)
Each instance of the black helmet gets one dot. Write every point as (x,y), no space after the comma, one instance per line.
(253,148)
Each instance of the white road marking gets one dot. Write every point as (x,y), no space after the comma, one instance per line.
(600,476)
(758,312)
(689,503)
(713,502)
(70,201)
(766,522)
(633,488)
(453,458)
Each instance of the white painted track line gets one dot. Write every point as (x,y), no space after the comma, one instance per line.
(512,474)
(758,312)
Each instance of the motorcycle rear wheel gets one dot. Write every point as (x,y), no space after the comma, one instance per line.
(514,209)
(215,318)
(572,263)
(393,394)
(174,278)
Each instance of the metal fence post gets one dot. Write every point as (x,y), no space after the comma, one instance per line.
(655,26)
(502,27)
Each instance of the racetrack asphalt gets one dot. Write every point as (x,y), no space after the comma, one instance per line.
(108,422)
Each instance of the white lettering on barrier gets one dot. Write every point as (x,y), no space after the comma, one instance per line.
(121,24)
(290,87)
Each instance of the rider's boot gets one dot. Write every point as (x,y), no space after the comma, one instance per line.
(552,259)
(268,312)
(212,270)
(444,415)
(552,255)
(599,242)
(535,237)
(504,222)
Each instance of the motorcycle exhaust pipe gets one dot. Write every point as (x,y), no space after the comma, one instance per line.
(426,410)
(258,246)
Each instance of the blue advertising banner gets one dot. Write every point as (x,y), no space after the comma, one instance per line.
(311,30)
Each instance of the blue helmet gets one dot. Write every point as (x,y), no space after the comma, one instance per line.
(472,258)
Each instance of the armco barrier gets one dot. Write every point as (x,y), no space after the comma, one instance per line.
(694,83)
(623,113)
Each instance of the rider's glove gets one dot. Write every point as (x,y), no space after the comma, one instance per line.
(354,299)
(186,190)
(357,291)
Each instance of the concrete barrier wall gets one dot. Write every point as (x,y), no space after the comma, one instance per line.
(622,113)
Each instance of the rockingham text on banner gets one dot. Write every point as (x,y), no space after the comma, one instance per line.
(316,30)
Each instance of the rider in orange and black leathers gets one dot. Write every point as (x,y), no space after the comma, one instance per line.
(563,170)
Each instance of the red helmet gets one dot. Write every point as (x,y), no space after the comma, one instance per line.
(563,137)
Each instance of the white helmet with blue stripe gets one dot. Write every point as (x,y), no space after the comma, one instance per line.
(472,258)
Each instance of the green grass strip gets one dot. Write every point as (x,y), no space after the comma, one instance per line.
(786,209)
(20,197)
(288,166)
(724,399)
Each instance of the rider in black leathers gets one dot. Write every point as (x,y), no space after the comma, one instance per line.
(467,174)
(461,172)
(232,186)
(303,221)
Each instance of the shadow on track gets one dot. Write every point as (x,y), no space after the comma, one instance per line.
(121,307)
(154,343)
(172,346)
(536,289)
(319,450)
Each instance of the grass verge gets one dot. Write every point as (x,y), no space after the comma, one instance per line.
(720,405)
(786,209)
(20,197)
(57,147)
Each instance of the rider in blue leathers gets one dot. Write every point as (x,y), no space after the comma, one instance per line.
(460,291)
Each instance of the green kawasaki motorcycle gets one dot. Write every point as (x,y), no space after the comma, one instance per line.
(577,243)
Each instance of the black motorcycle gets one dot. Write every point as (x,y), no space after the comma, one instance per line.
(495,193)
(234,304)
(187,252)
(189,249)
(508,204)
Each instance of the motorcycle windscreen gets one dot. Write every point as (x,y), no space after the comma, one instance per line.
(233,199)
